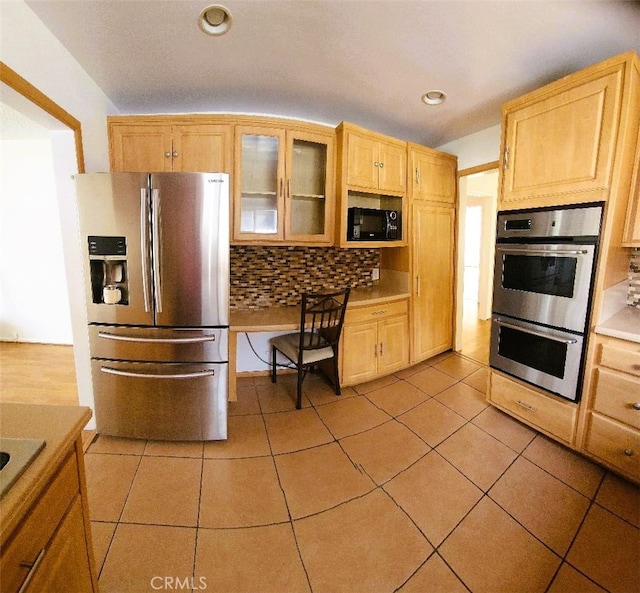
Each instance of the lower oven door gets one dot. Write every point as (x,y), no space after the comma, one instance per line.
(161,401)
(547,358)
(548,284)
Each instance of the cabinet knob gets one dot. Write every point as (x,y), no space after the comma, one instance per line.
(376,164)
(167,154)
(381,165)
(175,153)
(636,406)
(628,452)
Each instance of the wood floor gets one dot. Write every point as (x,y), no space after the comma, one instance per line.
(37,374)
(476,334)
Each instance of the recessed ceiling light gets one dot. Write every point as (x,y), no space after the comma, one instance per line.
(434,97)
(215,20)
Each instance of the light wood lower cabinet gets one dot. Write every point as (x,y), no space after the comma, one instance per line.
(374,342)
(50,550)
(612,428)
(545,412)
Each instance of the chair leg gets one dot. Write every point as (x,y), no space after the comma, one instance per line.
(336,378)
(273,364)
(301,374)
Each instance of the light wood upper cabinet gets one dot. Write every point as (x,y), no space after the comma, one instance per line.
(559,142)
(432,175)
(140,148)
(169,145)
(371,173)
(202,148)
(374,163)
(285,186)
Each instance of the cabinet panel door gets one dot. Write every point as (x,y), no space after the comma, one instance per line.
(141,149)
(563,144)
(433,236)
(392,167)
(359,345)
(393,336)
(202,148)
(65,564)
(361,158)
(433,178)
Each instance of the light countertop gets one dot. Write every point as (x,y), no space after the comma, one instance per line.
(60,427)
(287,318)
(625,324)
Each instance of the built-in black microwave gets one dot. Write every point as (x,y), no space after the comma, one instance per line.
(368,224)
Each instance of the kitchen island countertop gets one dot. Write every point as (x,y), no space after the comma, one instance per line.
(60,427)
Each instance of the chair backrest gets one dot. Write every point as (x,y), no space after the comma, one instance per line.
(321,319)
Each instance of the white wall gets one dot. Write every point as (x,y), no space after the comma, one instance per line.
(476,149)
(34,303)
(30,49)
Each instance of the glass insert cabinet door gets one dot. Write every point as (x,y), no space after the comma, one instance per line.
(260,205)
(285,180)
(309,187)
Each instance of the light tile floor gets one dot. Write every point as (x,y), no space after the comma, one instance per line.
(410,483)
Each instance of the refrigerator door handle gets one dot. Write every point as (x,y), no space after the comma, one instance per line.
(191,340)
(144,246)
(157,252)
(196,375)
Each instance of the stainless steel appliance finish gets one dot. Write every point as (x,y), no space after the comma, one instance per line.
(546,357)
(156,263)
(544,266)
(548,283)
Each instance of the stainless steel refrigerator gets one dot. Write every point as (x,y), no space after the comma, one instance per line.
(156,265)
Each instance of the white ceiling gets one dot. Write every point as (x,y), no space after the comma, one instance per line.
(363,61)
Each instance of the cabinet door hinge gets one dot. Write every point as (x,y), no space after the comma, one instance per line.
(506,158)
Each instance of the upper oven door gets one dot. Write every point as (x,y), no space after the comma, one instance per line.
(544,283)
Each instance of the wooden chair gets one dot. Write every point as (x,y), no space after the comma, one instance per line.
(321,319)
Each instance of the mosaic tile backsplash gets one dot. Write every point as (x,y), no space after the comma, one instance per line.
(633,296)
(277,276)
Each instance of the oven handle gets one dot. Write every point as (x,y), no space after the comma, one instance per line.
(534,332)
(543,251)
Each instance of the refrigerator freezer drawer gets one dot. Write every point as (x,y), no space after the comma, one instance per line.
(159,344)
(161,401)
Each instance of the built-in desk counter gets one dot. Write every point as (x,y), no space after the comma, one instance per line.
(276,319)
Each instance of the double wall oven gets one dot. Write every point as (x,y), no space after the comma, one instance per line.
(544,269)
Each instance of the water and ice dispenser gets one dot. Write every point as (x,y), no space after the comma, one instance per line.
(108,265)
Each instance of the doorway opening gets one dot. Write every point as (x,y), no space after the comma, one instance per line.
(478,188)
(43,288)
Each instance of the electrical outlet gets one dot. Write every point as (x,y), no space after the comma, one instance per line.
(375,274)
